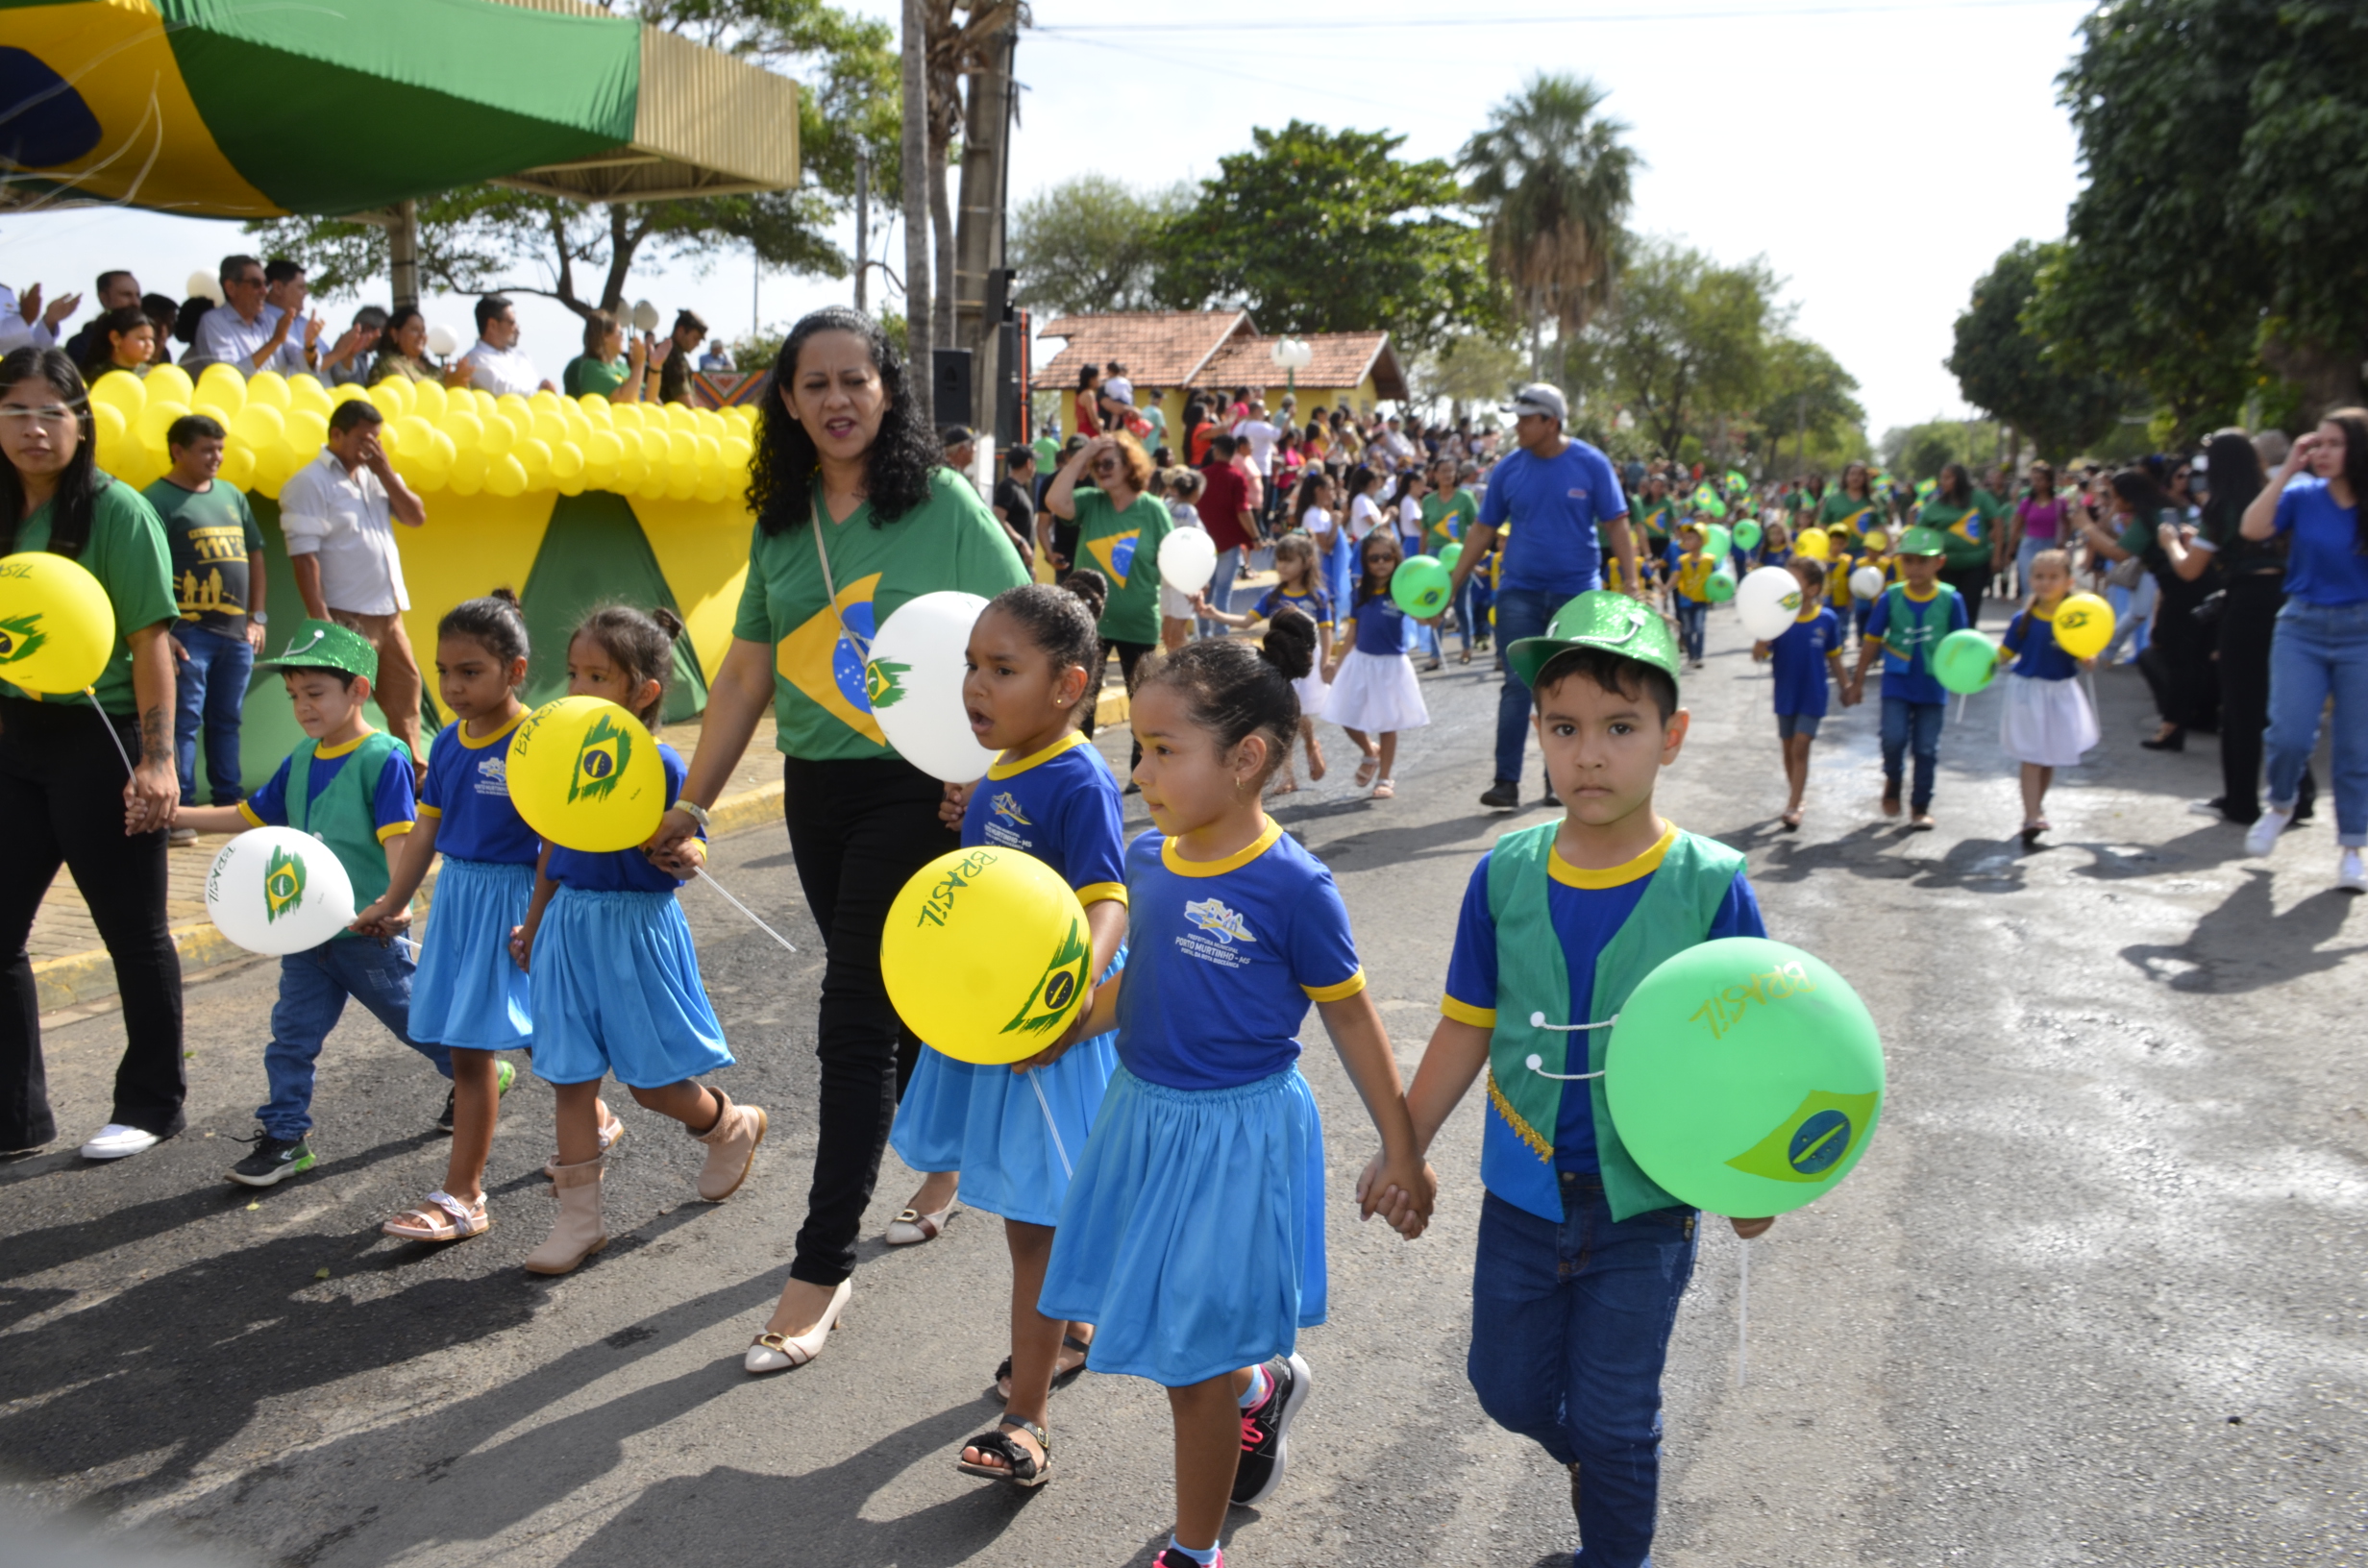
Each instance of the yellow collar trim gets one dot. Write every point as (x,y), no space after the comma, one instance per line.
(1643,865)
(344,748)
(1234,861)
(1921,599)
(462,731)
(2044,612)
(1004,768)
(1809,613)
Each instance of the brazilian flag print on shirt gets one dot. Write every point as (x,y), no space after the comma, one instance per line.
(1124,547)
(821,710)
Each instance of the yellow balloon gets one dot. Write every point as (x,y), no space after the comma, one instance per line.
(429,400)
(586,776)
(155,420)
(468,472)
(593,403)
(985,954)
(269,388)
(603,452)
(127,395)
(56,624)
(467,431)
(544,399)
(306,393)
(238,467)
(349,392)
(504,477)
(499,436)
(412,436)
(111,428)
(171,382)
(387,400)
(308,431)
(2084,626)
(1814,545)
(713,486)
(260,425)
(486,404)
(566,461)
(222,384)
(548,427)
(629,416)
(534,457)
(737,451)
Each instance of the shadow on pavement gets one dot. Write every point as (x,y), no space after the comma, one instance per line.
(2245,944)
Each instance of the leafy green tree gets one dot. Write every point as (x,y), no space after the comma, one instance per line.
(487,237)
(1552,179)
(1807,405)
(1919,452)
(1684,345)
(2002,365)
(1090,243)
(1467,368)
(1316,231)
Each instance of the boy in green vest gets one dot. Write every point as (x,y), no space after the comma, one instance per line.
(1582,1259)
(1908,622)
(350,787)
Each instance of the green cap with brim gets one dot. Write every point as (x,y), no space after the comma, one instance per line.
(1604,620)
(325,644)
(1922,542)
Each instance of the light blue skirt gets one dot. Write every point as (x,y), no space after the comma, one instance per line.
(467,992)
(1193,1237)
(615,987)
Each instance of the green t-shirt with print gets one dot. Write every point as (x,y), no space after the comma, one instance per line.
(1446,518)
(127,552)
(585,374)
(1124,547)
(1840,506)
(820,707)
(1965,528)
(216,546)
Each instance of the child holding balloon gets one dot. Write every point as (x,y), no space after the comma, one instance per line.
(1015,1131)
(1375,692)
(1192,1237)
(615,980)
(1298,585)
(343,786)
(2047,723)
(1908,623)
(1690,591)
(1582,1256)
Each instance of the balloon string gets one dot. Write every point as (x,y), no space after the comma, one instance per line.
(1743,1314)
(742,908)
(109,724)
(1050,1126)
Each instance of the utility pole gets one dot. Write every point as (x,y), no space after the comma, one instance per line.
(921,360)
(979,234)
(863,221)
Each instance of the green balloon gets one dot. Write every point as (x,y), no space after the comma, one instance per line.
(1720,587)
(1745,1077)
(1747,534)
(1965,661)
(1716,541)
(1449,556)
(1420,585)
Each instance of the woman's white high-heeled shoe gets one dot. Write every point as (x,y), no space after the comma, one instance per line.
(777,1352)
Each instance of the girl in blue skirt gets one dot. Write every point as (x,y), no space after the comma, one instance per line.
(467,994)
(1193,1237)
(1015,1131)
(614,976)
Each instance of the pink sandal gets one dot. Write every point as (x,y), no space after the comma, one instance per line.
(443,1217)
(1385,789)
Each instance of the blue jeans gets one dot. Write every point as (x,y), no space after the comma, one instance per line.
(1465,612)
(313,987)
(2134,609)
(1569,1331)
(2321,651)
(1693,616)
(1912,725)
(209,687)
(1221,591)
(1521,612)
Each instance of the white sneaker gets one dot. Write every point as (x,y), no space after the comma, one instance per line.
(2263,836)
(115,1142)
(2351,875)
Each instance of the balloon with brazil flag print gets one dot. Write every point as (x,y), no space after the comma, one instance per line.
(984,954)
(586,776)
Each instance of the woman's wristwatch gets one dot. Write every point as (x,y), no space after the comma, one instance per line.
(693,810)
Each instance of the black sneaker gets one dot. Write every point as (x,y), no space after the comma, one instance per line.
(1266,1433)
(1505,795)
(273,1160)
(503,1075)
(444,1117)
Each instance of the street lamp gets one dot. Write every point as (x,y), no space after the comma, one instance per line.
(1292,356)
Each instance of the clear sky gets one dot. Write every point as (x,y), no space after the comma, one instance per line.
(1880,155)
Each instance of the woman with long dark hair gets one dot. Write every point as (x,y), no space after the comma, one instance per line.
(2042,521)
(63,791)
(1968,524)
(2253,580)
(855,516)
(2321,648)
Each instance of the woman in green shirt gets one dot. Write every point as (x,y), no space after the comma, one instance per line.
(1119,530)
(607,366)
(1966,521)
(855,516)
(63,791)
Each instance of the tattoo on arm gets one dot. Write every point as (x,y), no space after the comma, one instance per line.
(156,738)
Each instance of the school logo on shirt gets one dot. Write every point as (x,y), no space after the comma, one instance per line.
(493,776)
(600,760)
(821,664)
(1116,554)
(1210,914)
(284,884)
(21,637)
(1006,805)
(1808,1143)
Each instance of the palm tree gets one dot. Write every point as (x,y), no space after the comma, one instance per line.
(1552,178)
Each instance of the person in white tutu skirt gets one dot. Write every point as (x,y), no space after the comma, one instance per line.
(2048,723)
(1299,585)
(1374,691)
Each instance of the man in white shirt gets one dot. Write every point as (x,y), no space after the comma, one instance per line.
(244,330)
(336,512)
(1259,437)
(495,363)
(24,322)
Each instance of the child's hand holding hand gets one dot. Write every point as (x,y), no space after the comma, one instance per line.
(956,803)
(521,944)
(1402,1190)
(375,922)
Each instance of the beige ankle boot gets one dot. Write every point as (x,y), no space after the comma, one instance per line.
(576,1234)
(732,1148)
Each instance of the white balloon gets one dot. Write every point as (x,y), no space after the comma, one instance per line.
(645,316)
(1187,560)
(1767,602)
(913,678)
(273,889)
(442,341)
(1866,581)
(205,285)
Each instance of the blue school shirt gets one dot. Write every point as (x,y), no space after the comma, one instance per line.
(393,808)
(1587,908)
(1381,627)
(468,794)
(1062,806)
(1799,657)
(1224,957)
(1555,504)
(2325,565)
(620,870)
(2032,635)
(1316,606)
(1908,645)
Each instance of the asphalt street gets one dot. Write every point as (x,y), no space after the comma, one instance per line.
(2094,1296)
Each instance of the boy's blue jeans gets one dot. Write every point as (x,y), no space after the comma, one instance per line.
(313,987)
(209,687)
(1911,727)
(1692,620)
(1569,1329)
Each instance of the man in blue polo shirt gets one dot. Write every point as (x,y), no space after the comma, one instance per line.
(1559,492)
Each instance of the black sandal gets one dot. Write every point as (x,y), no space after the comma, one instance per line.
(1019,1467)
(1061,1379)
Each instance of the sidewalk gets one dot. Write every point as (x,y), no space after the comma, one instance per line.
(71,968)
